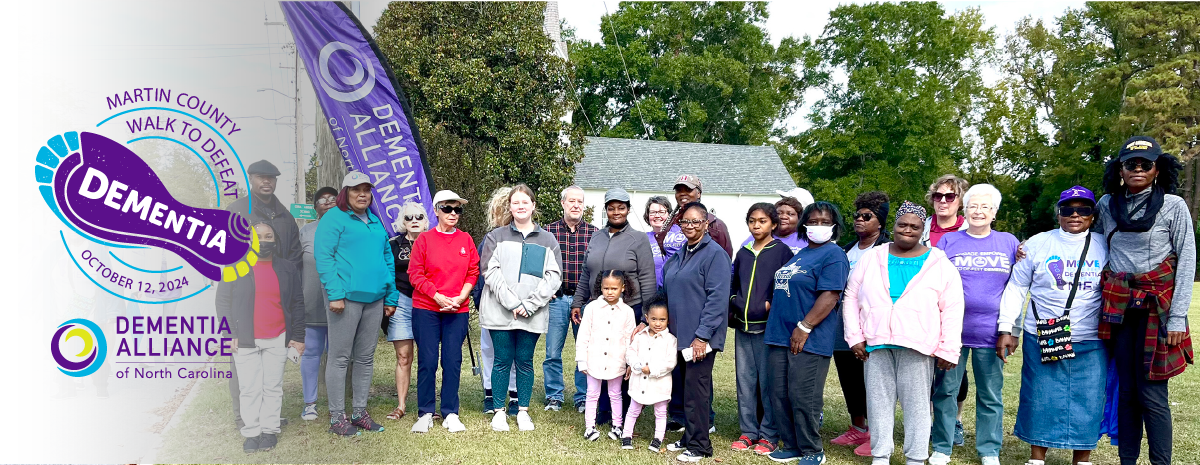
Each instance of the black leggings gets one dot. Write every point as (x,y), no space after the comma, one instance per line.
(854,387)
(962,390)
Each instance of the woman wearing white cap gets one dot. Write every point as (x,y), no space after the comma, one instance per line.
(357,271)
(443,268)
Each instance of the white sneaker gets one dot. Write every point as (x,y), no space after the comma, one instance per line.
(524,423)
(1043,462)
(310,412)
(499,422)
(1083,463)
(422,425)
(938,458)
(453,424)
(712,429)
(991,460)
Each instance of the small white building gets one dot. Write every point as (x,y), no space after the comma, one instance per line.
(733,177)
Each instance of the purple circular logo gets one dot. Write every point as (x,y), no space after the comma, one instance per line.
(90,358)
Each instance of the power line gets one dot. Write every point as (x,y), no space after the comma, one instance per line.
(627,78)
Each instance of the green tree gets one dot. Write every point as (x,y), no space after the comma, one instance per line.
(486,73)
(901,83)
(687,71)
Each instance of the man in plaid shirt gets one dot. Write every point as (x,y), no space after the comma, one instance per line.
(573,235)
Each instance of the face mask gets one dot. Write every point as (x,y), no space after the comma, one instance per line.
(266,249)
(819,234)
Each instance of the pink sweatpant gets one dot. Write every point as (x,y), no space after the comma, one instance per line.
(593,398)
(660,418)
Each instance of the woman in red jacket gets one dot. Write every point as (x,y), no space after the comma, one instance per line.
(443,268)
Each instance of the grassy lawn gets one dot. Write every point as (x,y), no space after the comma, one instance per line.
(206,432)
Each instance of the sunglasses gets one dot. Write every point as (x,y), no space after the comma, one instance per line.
(863,216)
(448,209)
(325,200)
(417,217)
(947,197)
(1067,212)
(1134,164)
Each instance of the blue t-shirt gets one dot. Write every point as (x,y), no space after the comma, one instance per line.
(797,286)
(901,270)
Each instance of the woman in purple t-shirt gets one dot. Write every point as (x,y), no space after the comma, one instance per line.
(984,259)
(658,213)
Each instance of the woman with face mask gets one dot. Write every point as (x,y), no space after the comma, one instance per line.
(801,329)
(358,271)
(265,309)
(903,316)
(410,224)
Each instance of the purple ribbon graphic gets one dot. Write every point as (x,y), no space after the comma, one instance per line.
(108,191)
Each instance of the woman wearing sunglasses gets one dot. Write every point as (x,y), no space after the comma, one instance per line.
(1147,289)
(316,329)
(443,268)
(1062,401)
(410,224)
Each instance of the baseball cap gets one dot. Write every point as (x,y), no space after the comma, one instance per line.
(323,191)
(1140,147)
(689,180)
(446,196)
(1077,192)
(800,194)
(616,193)
(355,178)
(263,167)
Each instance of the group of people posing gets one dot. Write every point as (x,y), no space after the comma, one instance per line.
(1100,304)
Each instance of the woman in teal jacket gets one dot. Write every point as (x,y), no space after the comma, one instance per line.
(359,275)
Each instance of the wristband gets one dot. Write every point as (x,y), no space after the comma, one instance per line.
(804,328)
(1004,333)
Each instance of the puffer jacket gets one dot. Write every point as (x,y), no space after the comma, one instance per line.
(603,338)
(519,270)
(658,352)
(927,317)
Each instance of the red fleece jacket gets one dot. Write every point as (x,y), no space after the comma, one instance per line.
(442,263)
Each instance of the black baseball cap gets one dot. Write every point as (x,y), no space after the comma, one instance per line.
(1140,147)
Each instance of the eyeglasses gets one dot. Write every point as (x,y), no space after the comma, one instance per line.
(690,223)
(418,217)
(448,209)
(325,200)
(974,207)
(658,213)
(1135,163)
(948,196)
(864,216)
(1067,212)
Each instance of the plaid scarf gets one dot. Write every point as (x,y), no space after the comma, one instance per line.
(1150,291)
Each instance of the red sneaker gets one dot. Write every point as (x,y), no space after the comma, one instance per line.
(863,450)
(742,444)
(764,447)
(852,437)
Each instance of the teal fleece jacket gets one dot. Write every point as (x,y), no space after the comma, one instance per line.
(354,258)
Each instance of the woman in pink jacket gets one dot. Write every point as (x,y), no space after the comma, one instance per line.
(903,310)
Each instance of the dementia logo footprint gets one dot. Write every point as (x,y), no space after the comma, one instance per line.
(104,190)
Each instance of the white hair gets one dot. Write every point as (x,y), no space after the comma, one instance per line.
(563,195)
(987,190)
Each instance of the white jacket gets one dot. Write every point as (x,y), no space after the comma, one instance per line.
(658,352)
(603,338)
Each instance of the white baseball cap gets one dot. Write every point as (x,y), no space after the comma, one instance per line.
(800,194)
(446,196)
(355,178)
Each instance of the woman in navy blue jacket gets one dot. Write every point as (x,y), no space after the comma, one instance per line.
(696,281)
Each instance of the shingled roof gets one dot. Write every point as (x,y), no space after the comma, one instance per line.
(647,165)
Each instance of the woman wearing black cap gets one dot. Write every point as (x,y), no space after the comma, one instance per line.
(1147,289)
(870,219)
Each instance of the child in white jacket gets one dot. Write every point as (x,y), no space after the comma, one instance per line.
(651,358)
(604,332)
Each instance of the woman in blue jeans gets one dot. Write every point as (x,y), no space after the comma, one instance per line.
(316,331)
(410,224)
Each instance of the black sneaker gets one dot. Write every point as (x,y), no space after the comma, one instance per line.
(554,405)
(674,426)
(627,443)
(581,406)
(488,407)
(267,441)
(251,445)
(615,433)
(340,425)
(282,422)
(512,404)
(655,445)
(363,421)
(676,446)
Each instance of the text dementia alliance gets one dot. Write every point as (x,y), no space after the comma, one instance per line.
(197,327)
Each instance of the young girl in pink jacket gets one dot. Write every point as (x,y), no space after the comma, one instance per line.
(903,313)
(604,332)
(651,358)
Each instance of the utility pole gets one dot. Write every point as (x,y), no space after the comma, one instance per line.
(300,161)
